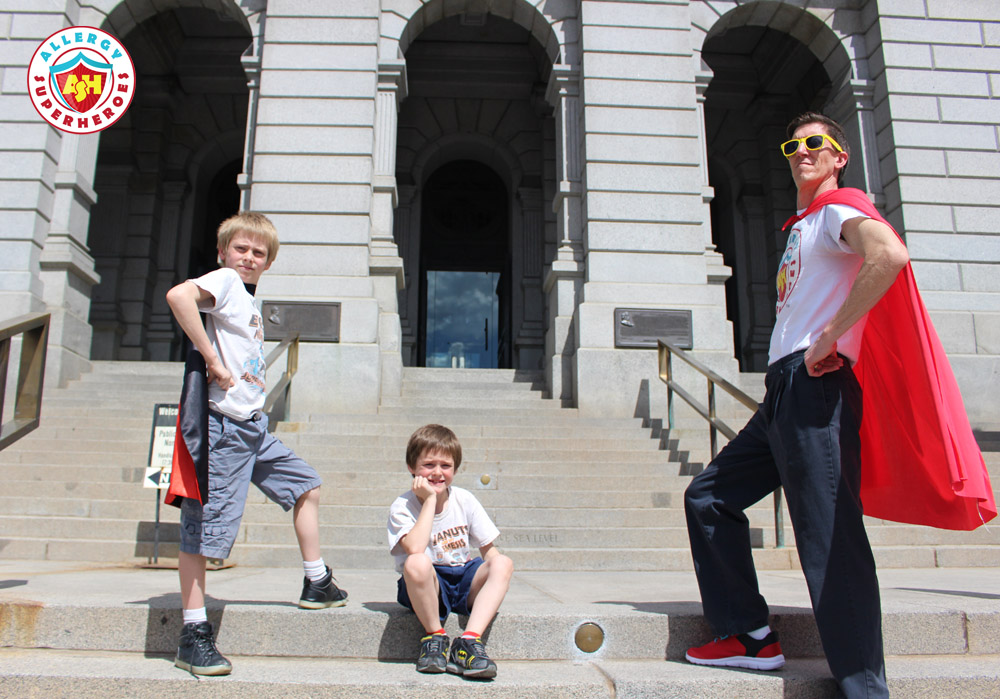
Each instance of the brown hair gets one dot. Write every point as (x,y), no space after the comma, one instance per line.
(433,438)
(253,224)
(832,129)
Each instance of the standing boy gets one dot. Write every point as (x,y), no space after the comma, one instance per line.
(240,449)
(431,529)
(838,264)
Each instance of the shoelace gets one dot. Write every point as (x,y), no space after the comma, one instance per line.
(204,643)
(434,644)
(478,649)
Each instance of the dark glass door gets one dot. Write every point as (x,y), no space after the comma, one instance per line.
(462,319)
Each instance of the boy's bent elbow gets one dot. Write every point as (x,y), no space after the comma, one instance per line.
(181,294)
(174,296)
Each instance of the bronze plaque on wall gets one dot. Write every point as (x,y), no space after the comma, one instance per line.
(642,327)
(313,321)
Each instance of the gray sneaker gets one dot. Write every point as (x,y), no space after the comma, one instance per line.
(468,658)
(433,656)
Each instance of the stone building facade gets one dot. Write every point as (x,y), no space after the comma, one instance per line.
(566,157)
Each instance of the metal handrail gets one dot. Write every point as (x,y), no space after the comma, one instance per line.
(282,390)
(34,329)
(665,352)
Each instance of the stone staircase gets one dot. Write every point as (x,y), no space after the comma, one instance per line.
(568,493)
(590,511)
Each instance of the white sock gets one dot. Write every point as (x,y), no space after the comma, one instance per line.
(315,570)
(759,634)
(194,616)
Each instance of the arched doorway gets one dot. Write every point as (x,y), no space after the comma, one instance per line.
(475,160)
(166,175)
(465,268)
(762,78)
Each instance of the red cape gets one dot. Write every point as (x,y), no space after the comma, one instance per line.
(920,463)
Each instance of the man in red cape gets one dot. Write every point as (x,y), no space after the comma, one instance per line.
(861,415)
(920,461)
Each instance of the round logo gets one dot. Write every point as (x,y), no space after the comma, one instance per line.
(81,80)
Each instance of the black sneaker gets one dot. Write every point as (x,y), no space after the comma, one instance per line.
(322,594)
(197,653)
(433,656)
(468,658)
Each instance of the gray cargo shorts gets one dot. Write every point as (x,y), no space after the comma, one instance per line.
(240,452)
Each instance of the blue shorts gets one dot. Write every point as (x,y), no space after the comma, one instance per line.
(240,452)
(454,582)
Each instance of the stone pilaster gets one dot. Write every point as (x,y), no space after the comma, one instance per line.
(564,280)
(854,109)
(715,266)
(251,66)
(384,263)
(67,270)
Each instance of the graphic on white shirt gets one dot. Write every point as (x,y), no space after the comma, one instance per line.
(253,368)
(451,546)
(789,269)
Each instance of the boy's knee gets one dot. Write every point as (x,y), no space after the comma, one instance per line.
(503,565)
(418,567)
(309,496)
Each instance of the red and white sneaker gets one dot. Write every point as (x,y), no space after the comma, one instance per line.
(740,651)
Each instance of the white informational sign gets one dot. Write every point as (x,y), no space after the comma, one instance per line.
(161,446)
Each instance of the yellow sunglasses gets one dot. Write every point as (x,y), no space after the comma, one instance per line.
(814,142)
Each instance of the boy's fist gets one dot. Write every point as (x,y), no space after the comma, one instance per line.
(422,488)
(217,372)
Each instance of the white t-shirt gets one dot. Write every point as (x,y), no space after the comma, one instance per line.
(236,331)
(814,278)
(461,526)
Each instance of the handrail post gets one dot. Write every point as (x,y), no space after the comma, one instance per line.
(670,391)
(291,367)
(779,520)
(283,389)
(34,331)
(31,372)
(713,433)
(4,359)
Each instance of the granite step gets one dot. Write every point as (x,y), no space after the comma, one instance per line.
(100,674)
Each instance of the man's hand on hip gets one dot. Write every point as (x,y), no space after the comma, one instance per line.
(822,358)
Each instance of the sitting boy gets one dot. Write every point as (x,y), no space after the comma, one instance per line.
(240,449)
(431,529)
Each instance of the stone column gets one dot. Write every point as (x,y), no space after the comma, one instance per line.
(528,333)
(384,258)
(108,228)
(251,66)
(564,281)
(407,236)
(161,336)
(854,109)
(715,266)
(384,263)
(67,269)
(757,313)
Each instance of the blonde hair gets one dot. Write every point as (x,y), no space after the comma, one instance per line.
(253,224)
(431,438)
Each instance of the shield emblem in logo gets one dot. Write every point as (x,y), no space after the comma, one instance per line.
(80,82)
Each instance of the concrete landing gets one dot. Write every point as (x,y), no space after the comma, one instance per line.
(645,615)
